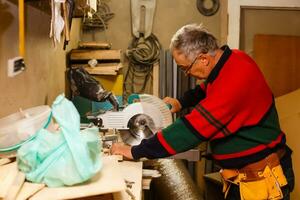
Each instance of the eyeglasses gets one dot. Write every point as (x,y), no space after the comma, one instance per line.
(186,71)
(189,67)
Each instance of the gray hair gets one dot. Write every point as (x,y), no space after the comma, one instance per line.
(193,39)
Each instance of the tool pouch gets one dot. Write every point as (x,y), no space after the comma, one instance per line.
(267,184)
(228,177)
(254,189)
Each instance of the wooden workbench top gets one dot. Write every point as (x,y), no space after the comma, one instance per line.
(112,179)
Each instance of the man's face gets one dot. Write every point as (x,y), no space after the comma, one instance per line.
(199,67)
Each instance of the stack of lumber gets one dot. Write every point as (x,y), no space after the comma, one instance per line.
(12,184)
(107,61)
(101,69)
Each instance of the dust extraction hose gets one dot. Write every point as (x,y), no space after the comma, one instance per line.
(175,182)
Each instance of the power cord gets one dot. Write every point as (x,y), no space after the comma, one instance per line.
(142,53)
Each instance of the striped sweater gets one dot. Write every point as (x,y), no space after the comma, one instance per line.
(233,109)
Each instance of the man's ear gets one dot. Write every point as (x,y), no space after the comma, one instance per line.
(204,59)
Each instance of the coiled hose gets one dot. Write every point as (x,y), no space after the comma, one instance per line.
(142,54)
(99,19)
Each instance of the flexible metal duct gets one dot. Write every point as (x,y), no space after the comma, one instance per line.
(175,182)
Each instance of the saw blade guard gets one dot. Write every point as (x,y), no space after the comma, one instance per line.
(138,120)
(119,120)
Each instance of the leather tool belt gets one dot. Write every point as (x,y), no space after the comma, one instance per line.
(260,180)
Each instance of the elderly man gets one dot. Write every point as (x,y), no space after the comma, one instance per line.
(234,110)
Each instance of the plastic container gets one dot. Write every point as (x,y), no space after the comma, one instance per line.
(19,127)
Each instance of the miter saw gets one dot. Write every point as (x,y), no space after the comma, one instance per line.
(143,117)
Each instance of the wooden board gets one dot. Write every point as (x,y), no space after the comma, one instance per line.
(94,45)
(82,54)
(16,186)
(8,174)
(29,189)
(279,60)
(101,69)
(4,161)
(108,180)
(131,172)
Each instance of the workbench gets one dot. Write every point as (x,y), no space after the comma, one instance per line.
(117,180)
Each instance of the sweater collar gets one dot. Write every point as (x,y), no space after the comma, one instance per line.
(214,73)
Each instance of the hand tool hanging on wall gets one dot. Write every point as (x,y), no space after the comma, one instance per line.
(142,14)
(61,20)
(68,9)
(144,49)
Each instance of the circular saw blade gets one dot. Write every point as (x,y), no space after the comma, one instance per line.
(140,126)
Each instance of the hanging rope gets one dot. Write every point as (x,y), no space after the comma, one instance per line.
(142,54)
(99,19)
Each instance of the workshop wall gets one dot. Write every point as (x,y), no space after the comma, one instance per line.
(170,15)
(44,77)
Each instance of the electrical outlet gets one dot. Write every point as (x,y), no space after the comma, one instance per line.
(15,66)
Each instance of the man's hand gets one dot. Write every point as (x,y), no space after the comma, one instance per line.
(121,149)
(176,106)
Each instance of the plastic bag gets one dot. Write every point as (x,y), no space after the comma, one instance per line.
(66,157)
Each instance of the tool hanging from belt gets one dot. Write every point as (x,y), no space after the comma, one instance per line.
(259,180)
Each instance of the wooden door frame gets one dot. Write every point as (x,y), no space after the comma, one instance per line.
(234,14)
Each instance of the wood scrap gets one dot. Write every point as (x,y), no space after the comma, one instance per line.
(8,174)
(83,54)
(101,69)
(15,186)
(28,190)
(4,161)
(146,183)
(148,175)
(152,173)
(94,45)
